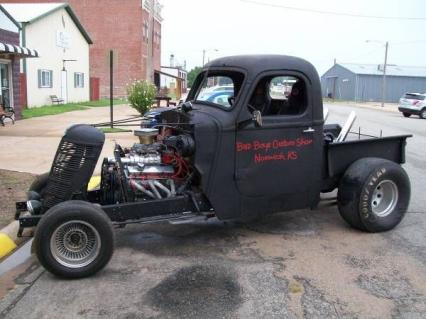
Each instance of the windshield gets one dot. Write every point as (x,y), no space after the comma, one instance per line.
(412,96)
(219,89)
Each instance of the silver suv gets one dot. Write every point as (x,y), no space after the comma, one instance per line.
(413,103)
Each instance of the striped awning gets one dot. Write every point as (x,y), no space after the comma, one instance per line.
(17,50)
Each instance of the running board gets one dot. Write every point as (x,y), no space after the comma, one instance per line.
(181,218)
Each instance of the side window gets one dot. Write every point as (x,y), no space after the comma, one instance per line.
(279,95)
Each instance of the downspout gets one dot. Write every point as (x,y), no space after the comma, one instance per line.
(24,44)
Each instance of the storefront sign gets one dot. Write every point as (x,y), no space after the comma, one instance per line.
(63,39)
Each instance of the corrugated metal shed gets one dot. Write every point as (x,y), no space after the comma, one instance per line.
(363,82)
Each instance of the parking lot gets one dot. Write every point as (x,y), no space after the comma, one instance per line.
(290,265)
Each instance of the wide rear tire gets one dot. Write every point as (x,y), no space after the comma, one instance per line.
(74,239)
(374,194)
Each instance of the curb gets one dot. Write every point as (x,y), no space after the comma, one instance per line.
(9,238)
(366,106)
(382,109)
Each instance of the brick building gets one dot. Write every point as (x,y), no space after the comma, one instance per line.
(12,90)
(122,26)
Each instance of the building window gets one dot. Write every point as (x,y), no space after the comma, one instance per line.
(78,80)
(45,78)
(157,39)
(145,32)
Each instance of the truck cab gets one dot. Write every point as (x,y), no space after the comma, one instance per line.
(285,142)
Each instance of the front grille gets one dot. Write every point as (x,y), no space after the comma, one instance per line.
(73,165)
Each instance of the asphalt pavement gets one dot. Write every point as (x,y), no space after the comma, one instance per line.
(300,264)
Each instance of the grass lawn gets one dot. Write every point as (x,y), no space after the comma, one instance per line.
(51,110)
(114,130)
(63,108)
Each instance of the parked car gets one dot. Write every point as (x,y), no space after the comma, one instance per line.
(208,91)
(413,103)
(221,98)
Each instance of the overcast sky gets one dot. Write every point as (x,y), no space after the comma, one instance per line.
(243,27)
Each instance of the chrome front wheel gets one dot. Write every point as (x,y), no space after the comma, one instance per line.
(74,239)
(75,244)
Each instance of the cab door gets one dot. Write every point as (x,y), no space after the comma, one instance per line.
(275,162)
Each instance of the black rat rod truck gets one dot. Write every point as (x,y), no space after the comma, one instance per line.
(250,140)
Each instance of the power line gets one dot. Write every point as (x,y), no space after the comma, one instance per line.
(266,4)
(408,42)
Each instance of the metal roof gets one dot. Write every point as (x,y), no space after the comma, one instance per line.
(391,69)
(31,12)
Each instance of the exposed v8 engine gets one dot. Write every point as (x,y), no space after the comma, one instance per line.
(148,171)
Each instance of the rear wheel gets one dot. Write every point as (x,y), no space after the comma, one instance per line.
(406,114)
(74,239)
(374,194)
(423,114)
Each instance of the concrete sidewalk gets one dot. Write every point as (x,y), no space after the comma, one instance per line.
(29,145)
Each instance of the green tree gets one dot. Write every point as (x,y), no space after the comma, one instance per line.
(141,95)
(192,75)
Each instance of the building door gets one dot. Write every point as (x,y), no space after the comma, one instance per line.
(64,90)
(331,87)
(5,85)
(157,80)
(94,89)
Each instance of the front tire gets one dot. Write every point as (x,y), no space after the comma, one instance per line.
(406,114)
(374,194)
(74,239)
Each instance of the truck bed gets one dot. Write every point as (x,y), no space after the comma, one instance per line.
(339,155)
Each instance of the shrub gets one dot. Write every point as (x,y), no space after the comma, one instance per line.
(141,95)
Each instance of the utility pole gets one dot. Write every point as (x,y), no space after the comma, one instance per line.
(111,87)
(149,70)
(384,75)
(204,54)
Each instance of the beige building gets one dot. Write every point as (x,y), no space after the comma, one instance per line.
(62,69)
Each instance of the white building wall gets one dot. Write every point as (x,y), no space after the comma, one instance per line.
(42,36)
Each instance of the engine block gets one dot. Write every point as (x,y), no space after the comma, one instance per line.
(147,171)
